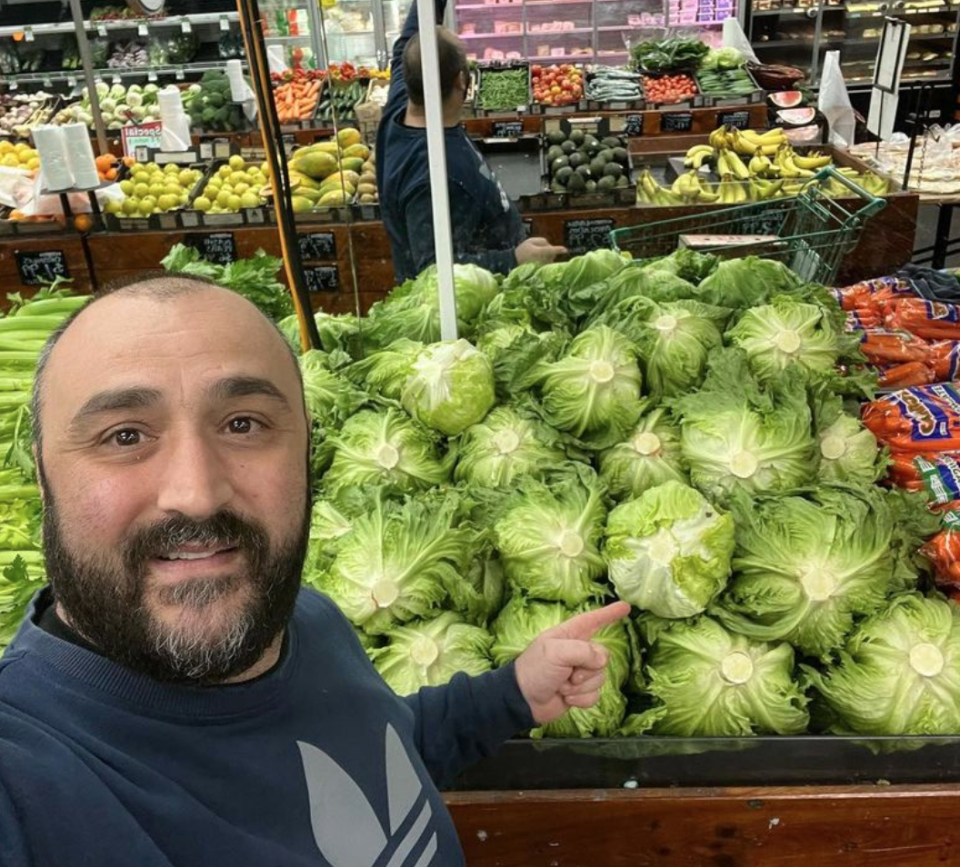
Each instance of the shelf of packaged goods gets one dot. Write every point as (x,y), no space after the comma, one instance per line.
(762,13)
(839,42)
(533,58)
(302,37)
(180,21)
(491,35)
(489,6)
(932,10)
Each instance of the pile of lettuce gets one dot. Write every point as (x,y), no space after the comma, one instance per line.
(681,433)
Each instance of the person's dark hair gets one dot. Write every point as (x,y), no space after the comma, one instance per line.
(154,284)
(452,60)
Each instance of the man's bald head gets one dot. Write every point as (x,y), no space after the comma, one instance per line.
(452,60)
(159,286)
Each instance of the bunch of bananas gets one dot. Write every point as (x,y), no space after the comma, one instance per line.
(748,142)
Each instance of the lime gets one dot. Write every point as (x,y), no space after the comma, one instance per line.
(146,207)
(224,171)
(234,203)
(237,163)
(168,202)
(141,190)
(131,206)
(223,198)
(203,204)
(249,200)
(127,187)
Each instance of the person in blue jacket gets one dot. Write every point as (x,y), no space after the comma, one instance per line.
(486,226)
(174,697)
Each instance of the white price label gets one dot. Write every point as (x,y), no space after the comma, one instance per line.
(101,30)
(47,81)
(117,80)
(71,81)
(179,73)
(13,85)
(28,35)
(151,76)
(224,22)
(186,26)
(142,30)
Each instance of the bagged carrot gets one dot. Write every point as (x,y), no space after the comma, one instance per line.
(937,475)
(945,358)
(943,550)
(923,418)
(932,320)
(887,347)
(906,374)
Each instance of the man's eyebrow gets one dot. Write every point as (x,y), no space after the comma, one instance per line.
(114,400)
(247,386)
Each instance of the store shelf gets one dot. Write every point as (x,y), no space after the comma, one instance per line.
(933,10)
(75,76)
(301,38)
(491,35)
(838,42)
(63,27)
(560,32)
(762,13)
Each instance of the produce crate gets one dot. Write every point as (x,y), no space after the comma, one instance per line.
(10,227)
(638,104)
(705,100)
(552,110)
(168,219)
(548,200)
(494,69)
(692,102)
(309,122)
(346,95)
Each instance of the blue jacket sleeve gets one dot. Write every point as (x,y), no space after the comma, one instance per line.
(418,215)
(398,87)
(467,719)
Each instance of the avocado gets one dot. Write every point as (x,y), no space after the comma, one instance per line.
(577,136)
(596,166)
(591,186)
(563,175)
(584,172)
(612,170)
(591,145)
(621,156)
(568,147)
(612,141)
(556,137)
(577,159)
(606,183)
(606,155)
(553,152)
(622,182)
(559,163)
(576,183)
(557,188)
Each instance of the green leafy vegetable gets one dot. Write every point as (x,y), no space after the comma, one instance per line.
(709,682)
(743,283)
(594,390)
(387,371)
(254,278)
(385,448)
(450,387)
(737,435)
(330,398)
(669,551)
(650,457)
(430,652)
(806,566)
(667,55)
(900,672)
(548,536)
(848,450)
(505,446)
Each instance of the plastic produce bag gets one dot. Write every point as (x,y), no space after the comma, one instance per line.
(922,419)
(834,102)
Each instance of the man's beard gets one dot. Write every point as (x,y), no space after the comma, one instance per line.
(109,606)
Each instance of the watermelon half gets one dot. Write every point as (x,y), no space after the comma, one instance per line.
(797,116)
(786,99)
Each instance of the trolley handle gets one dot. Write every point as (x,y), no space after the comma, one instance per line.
(873,205)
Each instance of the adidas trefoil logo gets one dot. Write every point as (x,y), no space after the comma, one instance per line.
(346,827)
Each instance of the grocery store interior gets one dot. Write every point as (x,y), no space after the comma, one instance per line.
(593,300)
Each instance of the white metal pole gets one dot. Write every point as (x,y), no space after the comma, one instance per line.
(437,154)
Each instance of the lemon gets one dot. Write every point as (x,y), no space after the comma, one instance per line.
(187,178)
(172,190)
(131,206)
(11,161)
(249,200)
(113,206)
(240,189)
(146,207)
(141,190)
(234,203)
(127,187)
(223,198)
(6,147)
(171,169)
(168,202)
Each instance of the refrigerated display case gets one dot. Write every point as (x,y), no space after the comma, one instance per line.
(800,33)
(586,30)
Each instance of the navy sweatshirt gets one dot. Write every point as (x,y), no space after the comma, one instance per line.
(486,226)
(315,763)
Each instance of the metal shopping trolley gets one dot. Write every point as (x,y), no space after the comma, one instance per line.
(810,232)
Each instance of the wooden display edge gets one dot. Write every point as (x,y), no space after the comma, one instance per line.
(889,826)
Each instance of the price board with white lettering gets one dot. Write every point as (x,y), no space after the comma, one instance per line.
(322,278)
(41,266)
(676,121)
(316,246)
(217,247)
(582,236)
(736,119)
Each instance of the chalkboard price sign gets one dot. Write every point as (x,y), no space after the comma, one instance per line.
(217,247)
(318,246)
(42,267)
(582,236)
(322,278)
(676,121)
(737,119)
(507,129)
(633,125)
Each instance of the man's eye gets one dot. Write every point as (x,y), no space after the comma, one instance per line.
(127,438)
(242,425)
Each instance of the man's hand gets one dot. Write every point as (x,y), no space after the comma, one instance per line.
(563,668)
(538,250)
